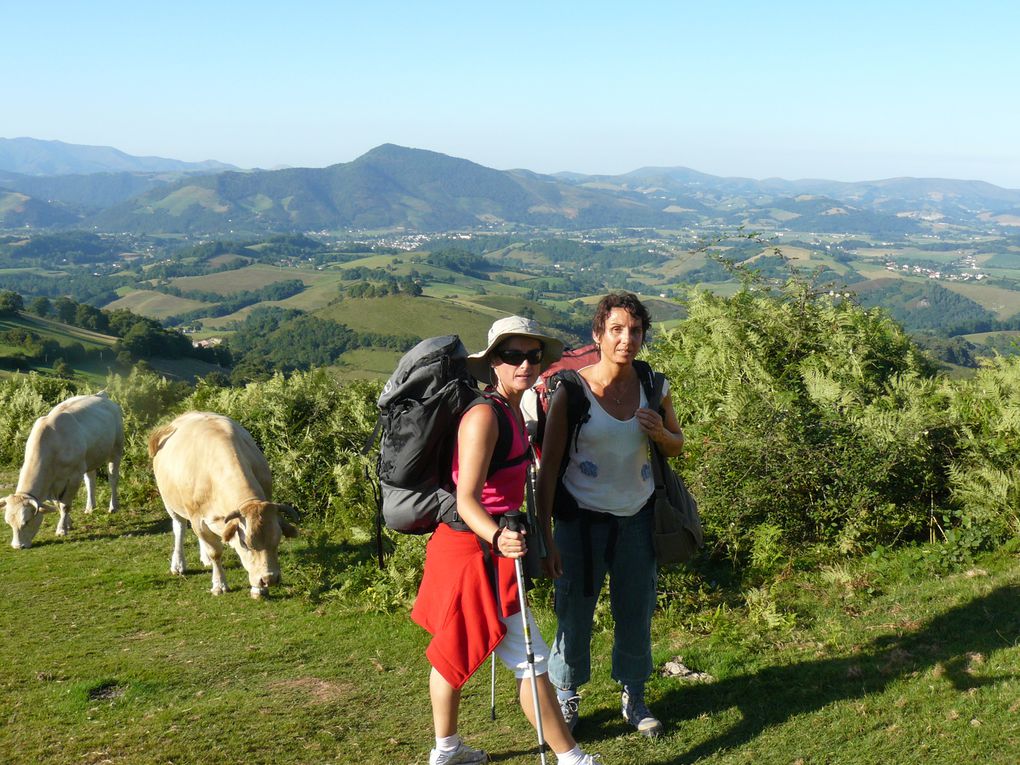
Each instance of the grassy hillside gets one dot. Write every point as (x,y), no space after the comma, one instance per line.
(55,330)
(421,316)
(155,305)
(117,661)
(250,278)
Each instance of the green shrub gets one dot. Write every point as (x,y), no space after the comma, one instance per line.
(23,399)
(312,430)
(808,414)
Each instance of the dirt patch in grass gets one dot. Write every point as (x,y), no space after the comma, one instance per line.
(315,689)
(106,692)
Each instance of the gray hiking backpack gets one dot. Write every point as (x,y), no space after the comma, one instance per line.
(419,411)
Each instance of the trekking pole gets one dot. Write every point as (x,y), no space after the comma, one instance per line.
(513,522)
(492,710)
(532,507)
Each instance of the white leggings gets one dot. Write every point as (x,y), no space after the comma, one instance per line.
(513,652)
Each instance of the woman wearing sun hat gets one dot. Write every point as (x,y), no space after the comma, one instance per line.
(468,597)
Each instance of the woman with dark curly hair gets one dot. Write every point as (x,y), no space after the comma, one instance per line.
(606,471)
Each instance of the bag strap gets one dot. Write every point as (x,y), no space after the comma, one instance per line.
(654,383)
(577,404)
(505,438)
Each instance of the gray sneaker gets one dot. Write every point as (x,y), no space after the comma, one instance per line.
(637,714)
(570,709)
(462,755)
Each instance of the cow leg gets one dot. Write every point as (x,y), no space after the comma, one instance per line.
(219,579)
(177,558)
(211,547)
(114,473)
(64,524)
(90,491)
(64,500)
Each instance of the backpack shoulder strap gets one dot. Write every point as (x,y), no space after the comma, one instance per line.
(577,403)
(505,438)
(652,382)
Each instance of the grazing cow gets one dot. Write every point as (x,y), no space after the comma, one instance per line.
(211,474)
(76,437)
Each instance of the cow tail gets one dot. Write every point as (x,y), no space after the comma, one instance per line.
(158,437)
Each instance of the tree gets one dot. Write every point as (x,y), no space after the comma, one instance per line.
(41,306)
(62,369)
(90,317)
(11,303)
(65,309)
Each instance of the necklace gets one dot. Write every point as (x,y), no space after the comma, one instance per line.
(618,399)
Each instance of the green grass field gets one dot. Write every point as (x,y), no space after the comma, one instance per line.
(366,364)
(154,305)
(1002,302)
(251,277)
(421,316)
(111,660)
(54,330)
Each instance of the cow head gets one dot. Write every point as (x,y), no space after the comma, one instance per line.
(254,530)
(23,514)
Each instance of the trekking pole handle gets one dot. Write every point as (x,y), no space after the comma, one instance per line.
(513,520)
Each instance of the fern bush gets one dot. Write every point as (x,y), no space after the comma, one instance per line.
(985,476)
(312,430)
(23,399)
(808,414)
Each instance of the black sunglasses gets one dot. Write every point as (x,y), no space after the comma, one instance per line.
(516,358)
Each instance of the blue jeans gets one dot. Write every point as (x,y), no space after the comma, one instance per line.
(629,559)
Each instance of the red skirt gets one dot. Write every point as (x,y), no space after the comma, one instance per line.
(457,605)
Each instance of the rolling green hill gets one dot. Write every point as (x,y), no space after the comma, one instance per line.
(88,354)
(388,187)
(421,316)
(156,305)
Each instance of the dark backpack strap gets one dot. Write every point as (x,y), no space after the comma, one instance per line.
(577,403)
(647,378)
(500,453)
(371,439)
(505,438)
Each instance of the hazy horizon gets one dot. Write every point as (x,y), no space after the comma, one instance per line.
(866,91)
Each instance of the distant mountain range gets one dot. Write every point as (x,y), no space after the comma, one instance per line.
(30,156)
(393,187)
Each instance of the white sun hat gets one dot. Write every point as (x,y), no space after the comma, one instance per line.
(513,326)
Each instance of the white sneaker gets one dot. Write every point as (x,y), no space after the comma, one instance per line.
(462,755)
(637,714)
(570,709)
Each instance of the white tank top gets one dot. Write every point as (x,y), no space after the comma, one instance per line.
(609,471)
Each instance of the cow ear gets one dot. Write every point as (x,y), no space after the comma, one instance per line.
(289,529)
(230,529)
(289,510)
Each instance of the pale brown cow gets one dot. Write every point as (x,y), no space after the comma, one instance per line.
(211,474)
(65,445)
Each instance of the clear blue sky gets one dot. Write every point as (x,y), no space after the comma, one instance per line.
(843,90)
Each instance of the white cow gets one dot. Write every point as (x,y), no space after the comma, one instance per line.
(76,437)
(211,474)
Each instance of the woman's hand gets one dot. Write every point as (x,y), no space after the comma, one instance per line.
(552,562)
(511,544)
(651,424)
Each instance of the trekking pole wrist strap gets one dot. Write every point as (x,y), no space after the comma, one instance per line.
(495,541)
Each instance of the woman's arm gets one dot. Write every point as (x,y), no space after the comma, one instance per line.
(476,442)
(663,429)
(554,446)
